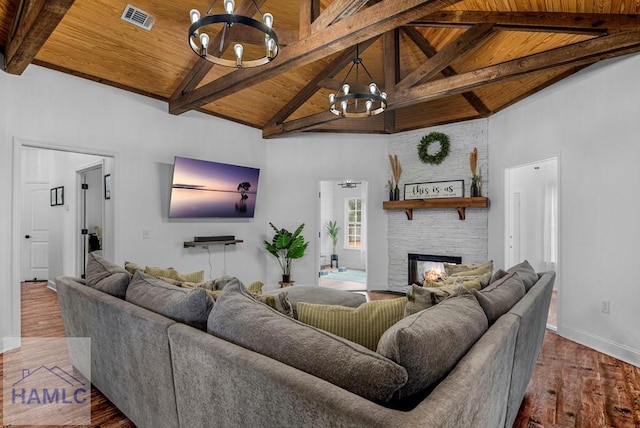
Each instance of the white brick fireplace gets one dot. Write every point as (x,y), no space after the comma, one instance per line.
(438,231)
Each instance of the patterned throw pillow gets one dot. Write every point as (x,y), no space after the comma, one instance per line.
(197,276)
(476,268)
(469,282)
(420,298)
(364,324)
(255,287)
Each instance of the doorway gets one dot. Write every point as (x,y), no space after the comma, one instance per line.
(90,212)
(343,265)
(532,221)
(41,171)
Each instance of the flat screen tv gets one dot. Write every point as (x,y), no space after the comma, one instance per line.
(211,189)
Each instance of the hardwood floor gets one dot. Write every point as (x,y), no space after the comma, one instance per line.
(572,385)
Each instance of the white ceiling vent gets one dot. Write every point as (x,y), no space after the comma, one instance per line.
(138,17)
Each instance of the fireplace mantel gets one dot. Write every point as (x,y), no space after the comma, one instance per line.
(460,204)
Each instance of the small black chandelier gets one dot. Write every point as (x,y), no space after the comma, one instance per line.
(357,104)
(199,38)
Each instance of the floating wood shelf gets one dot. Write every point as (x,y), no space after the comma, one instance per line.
(188,244)
(460,204)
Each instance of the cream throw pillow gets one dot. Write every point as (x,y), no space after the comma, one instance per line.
(470,269)
(363,325)
(197,276)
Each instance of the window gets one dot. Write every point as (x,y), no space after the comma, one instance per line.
(353,209)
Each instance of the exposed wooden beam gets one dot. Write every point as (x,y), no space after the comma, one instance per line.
(309,11)
(576,54)
(370,22)
(32,31)
(581,23)
(298,125)
(391,64)
(201,67)
(430,52)
(311,88)
(336,10)
(441,60)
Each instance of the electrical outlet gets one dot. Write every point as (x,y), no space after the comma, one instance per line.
(605,306)
(145,234)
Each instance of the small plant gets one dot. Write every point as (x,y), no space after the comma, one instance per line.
(332,231)
(285,247)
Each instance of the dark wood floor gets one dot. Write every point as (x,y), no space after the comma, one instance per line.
(572,386)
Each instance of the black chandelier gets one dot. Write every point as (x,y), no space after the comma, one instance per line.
(200,29)
(357,104)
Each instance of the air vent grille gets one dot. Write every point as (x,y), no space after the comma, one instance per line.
(138,17)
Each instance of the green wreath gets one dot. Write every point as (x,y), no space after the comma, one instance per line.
(425,142)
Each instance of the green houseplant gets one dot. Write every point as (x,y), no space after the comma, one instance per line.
(286,246)
(332,231)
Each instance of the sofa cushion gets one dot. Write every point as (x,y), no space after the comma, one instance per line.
(470,282)
(475,268)
(106,276)
(240,319)
(420,298)
(197,276)
(188,306)
(526,273)
(497,275)
(431,342)
(364,324)
(500,296)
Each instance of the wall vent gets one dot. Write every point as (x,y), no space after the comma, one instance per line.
(138,17)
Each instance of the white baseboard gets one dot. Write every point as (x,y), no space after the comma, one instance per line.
(51,285)
(8,343)
(600,344)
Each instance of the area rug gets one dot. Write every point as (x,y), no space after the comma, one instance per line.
(351,275)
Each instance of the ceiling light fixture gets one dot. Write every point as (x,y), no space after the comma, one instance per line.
(200,34)
(348,184)
(357,104)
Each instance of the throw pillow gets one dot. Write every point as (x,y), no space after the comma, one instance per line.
(430,343)
(364,324)
(469,282)
(239,318)
(221,281)
(452,268)
(190,307)
(526,273)
(500,296)
(497,275)
(132,267)
(255,287)
(197,276)
(420,298)
(106,276)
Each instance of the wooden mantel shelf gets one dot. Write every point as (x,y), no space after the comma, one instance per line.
(460,204)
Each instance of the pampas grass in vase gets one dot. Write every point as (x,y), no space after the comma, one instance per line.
(475,179)
(396,171)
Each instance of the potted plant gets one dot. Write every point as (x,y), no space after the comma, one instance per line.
(332,231)
(286,246)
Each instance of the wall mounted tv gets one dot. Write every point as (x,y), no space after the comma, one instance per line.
(210,189)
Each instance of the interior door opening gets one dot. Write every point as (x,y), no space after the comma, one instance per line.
(343,261)
(532,204)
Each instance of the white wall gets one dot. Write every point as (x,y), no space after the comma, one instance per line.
(590,122)
(296,165)
(438,231)
(56,110)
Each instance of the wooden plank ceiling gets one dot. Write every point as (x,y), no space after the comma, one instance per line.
(440,61)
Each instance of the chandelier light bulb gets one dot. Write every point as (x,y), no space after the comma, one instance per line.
(384,95)
(344,106)
(345,88)
(368,104)
(332,99)
(267,18)
(195,16)
(238,49)
(228,6)
(373,88)
(204,40)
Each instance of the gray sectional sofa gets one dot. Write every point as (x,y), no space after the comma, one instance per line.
(163,373)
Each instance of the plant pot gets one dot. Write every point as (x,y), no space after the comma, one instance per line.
(475,191)
(286,278)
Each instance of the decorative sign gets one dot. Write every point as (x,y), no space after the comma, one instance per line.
(434,189)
